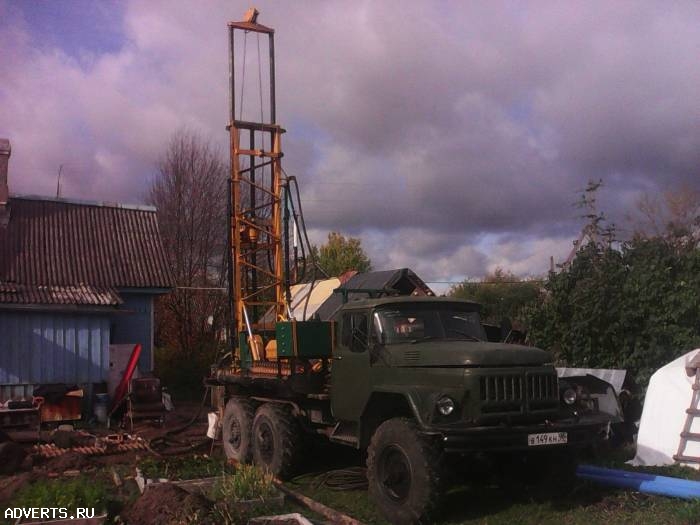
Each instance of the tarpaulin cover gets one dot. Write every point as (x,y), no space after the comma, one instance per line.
(668,396)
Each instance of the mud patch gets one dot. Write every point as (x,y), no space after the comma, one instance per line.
(68,461)
(11,484)
(11,457)
(167,504)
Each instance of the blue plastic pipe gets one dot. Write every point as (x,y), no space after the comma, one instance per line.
(648,483)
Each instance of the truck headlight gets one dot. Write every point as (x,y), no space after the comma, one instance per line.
(445,405)
(569,396)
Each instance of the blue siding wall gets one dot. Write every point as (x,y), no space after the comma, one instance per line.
(136,326)
(49,347)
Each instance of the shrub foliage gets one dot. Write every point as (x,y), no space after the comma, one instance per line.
(634,306)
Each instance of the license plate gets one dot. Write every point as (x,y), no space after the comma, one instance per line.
(547,438)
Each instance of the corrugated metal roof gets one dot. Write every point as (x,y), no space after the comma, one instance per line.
(404,281)
(59,295)
(62,243)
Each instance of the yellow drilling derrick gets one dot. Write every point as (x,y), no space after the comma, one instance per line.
(261,210)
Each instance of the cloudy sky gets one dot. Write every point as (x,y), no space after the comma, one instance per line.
(452,137)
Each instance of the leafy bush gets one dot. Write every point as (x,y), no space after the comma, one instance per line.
(501,294)
(636,307)
(182,373)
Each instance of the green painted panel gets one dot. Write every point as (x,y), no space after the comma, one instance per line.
(314,339)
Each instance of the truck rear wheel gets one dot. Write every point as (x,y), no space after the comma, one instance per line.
(405,472)
(236,429)
(276,440)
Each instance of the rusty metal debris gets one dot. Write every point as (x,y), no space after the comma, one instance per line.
(102,448)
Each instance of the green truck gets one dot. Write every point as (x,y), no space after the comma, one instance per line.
(411,380)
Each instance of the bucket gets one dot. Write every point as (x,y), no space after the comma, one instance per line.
(100,407)
(214,428)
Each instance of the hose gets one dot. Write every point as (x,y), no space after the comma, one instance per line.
(305,238)
(166,439)
(352,478)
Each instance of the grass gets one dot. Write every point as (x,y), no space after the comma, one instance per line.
(469,501)
(82,491)
(178,468)
(479,502)
(247,483)
(245,494)
(85,491)
(587,504)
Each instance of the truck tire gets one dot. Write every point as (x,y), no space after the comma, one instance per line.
(276,440)
(236,429)
(405,472)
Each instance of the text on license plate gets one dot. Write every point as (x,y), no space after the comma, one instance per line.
(547,438)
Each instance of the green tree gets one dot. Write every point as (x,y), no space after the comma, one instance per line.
(341,254)
(501,294)
(631,305)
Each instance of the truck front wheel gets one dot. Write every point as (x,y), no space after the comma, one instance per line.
(276,440)
(405,472)
(236,428)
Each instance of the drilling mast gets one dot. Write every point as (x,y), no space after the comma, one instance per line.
(257,261)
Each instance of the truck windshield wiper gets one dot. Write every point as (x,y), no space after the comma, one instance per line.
(469,338)
(464,335)
(422,339)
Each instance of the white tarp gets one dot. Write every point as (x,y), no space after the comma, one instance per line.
(668,396)
(306,299)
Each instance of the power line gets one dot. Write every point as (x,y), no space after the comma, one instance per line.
(221,289)
(210,288)
(487,282)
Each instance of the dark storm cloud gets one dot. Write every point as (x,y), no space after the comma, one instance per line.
(507,113)
(451,136)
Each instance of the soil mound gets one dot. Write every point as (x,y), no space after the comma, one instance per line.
(68,461)
(166,504)
(11,457)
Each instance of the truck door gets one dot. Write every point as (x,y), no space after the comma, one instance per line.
(350,386)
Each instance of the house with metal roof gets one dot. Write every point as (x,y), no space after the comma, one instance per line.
(75,277)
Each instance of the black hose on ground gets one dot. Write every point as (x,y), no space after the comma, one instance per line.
(166,439)
(352,478)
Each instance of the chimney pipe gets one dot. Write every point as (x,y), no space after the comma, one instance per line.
(5,151)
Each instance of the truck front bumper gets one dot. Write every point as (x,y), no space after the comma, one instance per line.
(502,438)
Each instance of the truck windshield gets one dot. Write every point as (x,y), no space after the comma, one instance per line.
(408,323)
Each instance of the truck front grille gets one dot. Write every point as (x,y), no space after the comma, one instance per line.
(501,388)
(542,387)
(518,393)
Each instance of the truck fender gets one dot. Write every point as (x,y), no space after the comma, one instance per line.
(295,409)
(382,406)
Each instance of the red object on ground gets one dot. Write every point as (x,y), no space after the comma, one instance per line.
(123,386)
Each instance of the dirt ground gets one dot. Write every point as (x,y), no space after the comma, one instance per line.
(36,467)
(165,503)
